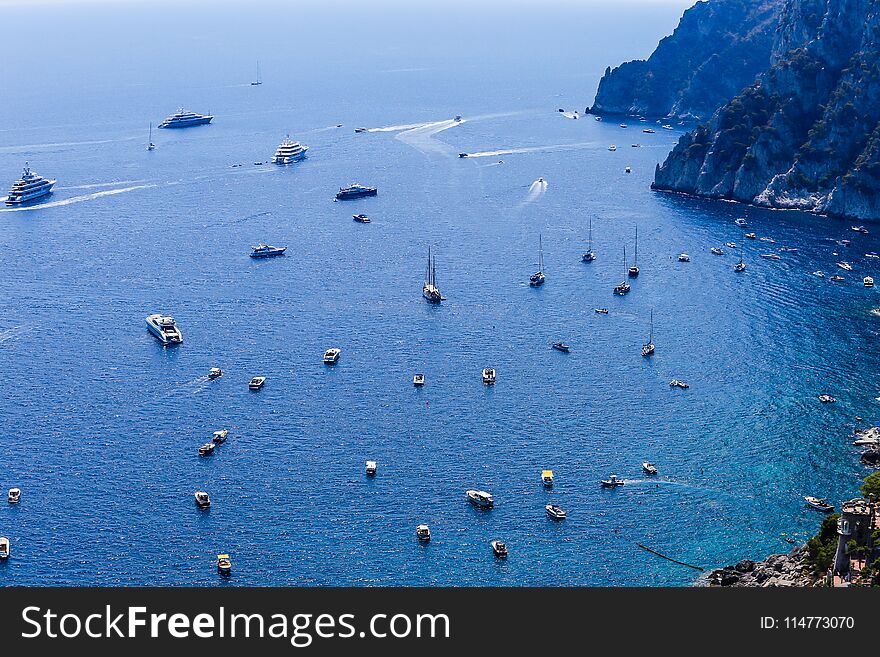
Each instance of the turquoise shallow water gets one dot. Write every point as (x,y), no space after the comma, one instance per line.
(101,424)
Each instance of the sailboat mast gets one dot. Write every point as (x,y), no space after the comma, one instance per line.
(624,261)
(636,257)
(540,254)
(651,338)
(591,234)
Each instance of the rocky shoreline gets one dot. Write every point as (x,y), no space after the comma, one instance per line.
(777,570)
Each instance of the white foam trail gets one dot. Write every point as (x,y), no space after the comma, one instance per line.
(570,115)
(77,199)
(9,333)
(536,149)
(107,184)
(398,128)
(423,139)
(34,147)
(536,190)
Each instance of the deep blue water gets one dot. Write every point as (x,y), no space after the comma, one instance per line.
(101,423)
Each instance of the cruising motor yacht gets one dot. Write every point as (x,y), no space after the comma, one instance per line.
(289,151)
(219,437)
(867,281)
(684,257)
(355,191)
(14,495)
(203,500)
(361,218)
(30,186)
(224,564)
(215,373)
(561,346)
(331,356)
(207,449)
(633,271)
(547,478)
(537,278)
(164,328)
(480,498)
(184,119)
(827,399)
(717,251)
(555,512)
(648,347)
(819,503)
(624,287)
(266,251)
(370,468)
(488,375)
(429,288)
(612,482)
(675,383)
(423,533)
(257,382)
(649,468)
(4,547)
(499,548)
(419,380)
(590,255)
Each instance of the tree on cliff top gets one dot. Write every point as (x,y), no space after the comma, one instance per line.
(872,485)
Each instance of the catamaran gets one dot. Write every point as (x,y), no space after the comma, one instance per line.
(430,290)
(590,255)
(537,278)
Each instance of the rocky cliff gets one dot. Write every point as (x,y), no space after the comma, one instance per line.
(806,134)
(718,48)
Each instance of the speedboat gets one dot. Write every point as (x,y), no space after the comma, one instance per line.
(257,382)
(622,288)
(740,221)
(215,373)
(224,564)
(207,449)
(360,129)
(684,257)
(184,119)
(370,468)
(837,278)
(649,468)
(355,191)
(731,245)
(4,547)
(601,311)
(868,281)
(555,512)
(480,498)
(30,186)
(561,346)
(203,500)
(499,548)
(219,437)
(768,239)
(844,265)
(361,218)
(462,154)
(612,147)
(457,118)
(164,328)
(624,125)
(771,256)
(675,383)
(649,131)
(612,482)
(423,533)
(14,495)
(331,356)
(717,251)
(419,380)
(819,273)
(739,267)
(818,503)
(289,151)
(547,478)
(751,236)
(827,399)
(266,251)
(488,375)
(628,170)
(860,229)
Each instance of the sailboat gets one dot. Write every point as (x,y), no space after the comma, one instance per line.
(430,290)
(259,79)
(634,270)
(590,255)
(150,145)
(537,278)
(623,288)
(740,266)
(648,348)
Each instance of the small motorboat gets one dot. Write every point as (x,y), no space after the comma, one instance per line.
(219,436)
(457,118)
(684,257)
(872,254)
(818,503)
(624,125)
(480,498)
(361,218)
(207,449)
(675,383)
(612,147)
(203,500)
(257,382)
(730,245)
(649,468)
(419,380)
(423,533)
(462,154)
(547,478)
(360,129)
(266,251)
(666,126)
(867,281)
(561,346)
(842,242)
(768,239)
(555,512)
(740,221)
(837,278)
(635,145)
(499,548)
(859,229)
(751,236)
(14,495)
(370,468)
(612,482)
(215,373)
(224,564)
(622,288)
(787,249)
(488,376)
(648,131)
(4,547)
(739,267)
(819,273)
(331,356)
(844,265)
(771,256)
(628,170)
(717,250)
(827,399)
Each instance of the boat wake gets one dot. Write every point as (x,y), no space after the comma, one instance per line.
(536,149)
(9,334)
(422,137)
(536,190)
(107,184)
(77,199)
(64,144)
(569,115)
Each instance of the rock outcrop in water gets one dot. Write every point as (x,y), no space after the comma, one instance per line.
(718,48)
(806,134)
(777,570)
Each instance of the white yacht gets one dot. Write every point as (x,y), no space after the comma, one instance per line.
(14,495)
(590,255)
(827,399)
(289,151)
(215,373)
(868,281)
(4,547)
(624,287)
(207,449)
(751,236)
(419,380)
(555,512)
(612,482)
(429,289)
(203,500)
(488,375)
(331,356)
(257,382)
(480,498)
(370,468)
(612,147)
(675,383)
(717,251)
(30,186)
(164,328)
(684,257)
(537,278)
(184,119)
(219,437)
(423,532)
(649,468)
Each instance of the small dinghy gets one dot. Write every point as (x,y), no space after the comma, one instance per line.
(649,468)
(224,564)
(612,482)
(499,548)
(423,533)
(215,373)
(207,449)
(14,495)
(555,512)
(819,503)
(203,500)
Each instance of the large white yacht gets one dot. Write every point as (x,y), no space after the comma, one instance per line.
(289,151)
(430,290)
(30,186)
(164,328)
(184,119)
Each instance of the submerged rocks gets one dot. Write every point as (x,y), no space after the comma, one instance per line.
(777,570)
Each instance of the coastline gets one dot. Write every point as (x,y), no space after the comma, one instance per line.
(777,570)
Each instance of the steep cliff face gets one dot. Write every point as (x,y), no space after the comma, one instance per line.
(806,134)
(718,48)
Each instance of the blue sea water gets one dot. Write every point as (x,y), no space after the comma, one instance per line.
(101,423)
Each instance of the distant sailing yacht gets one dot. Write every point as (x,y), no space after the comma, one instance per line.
(537,278)
(150,145)
(259,79)
(623,288)
(634,270)
(648,349)
(740,266)
(590,255)
(430,290)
